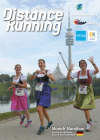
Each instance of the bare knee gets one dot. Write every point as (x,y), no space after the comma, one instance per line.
(26,112)
(39,109)
(86,111)
(44,111)
(17,113)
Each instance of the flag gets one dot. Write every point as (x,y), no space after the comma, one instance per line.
(79,133)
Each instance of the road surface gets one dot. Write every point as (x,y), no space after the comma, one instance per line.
(67,121)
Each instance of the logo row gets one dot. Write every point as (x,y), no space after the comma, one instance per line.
(82,36)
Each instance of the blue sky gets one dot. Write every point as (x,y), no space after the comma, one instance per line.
(27,47)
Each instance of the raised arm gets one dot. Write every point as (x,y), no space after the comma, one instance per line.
(51,76)
(69,70)
(91,59)
(34,75)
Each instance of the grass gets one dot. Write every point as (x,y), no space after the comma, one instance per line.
(97,97)
(8,115)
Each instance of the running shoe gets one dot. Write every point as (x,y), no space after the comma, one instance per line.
(88,127)
(91,122)
(22,119)
(41,130)
(28,123)
(49,124)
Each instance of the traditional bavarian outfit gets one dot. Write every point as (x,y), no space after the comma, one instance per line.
(20,102)
(43,90)
(85,95)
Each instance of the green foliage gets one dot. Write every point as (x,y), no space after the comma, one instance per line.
(56,86)
(4,87)
(4,78)
(96,86)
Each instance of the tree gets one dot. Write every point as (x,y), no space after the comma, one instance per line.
(4,78)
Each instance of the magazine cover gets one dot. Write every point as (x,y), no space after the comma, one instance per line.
(49,69)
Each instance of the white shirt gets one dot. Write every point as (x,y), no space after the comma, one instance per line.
(42,75)
(23,78)
(75,75)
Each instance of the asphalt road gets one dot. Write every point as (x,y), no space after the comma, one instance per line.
(67,121)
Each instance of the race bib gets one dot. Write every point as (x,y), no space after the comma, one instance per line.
(39,87)
(20,92)
(82,89)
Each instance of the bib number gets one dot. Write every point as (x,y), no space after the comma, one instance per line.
(39,87)
(20,92)
(82,89)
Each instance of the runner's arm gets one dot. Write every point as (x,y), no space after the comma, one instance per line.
(69,70)
(91,59)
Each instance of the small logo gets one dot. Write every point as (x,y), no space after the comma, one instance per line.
(78,22)
(80,35)
(92,35)
(79,6)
